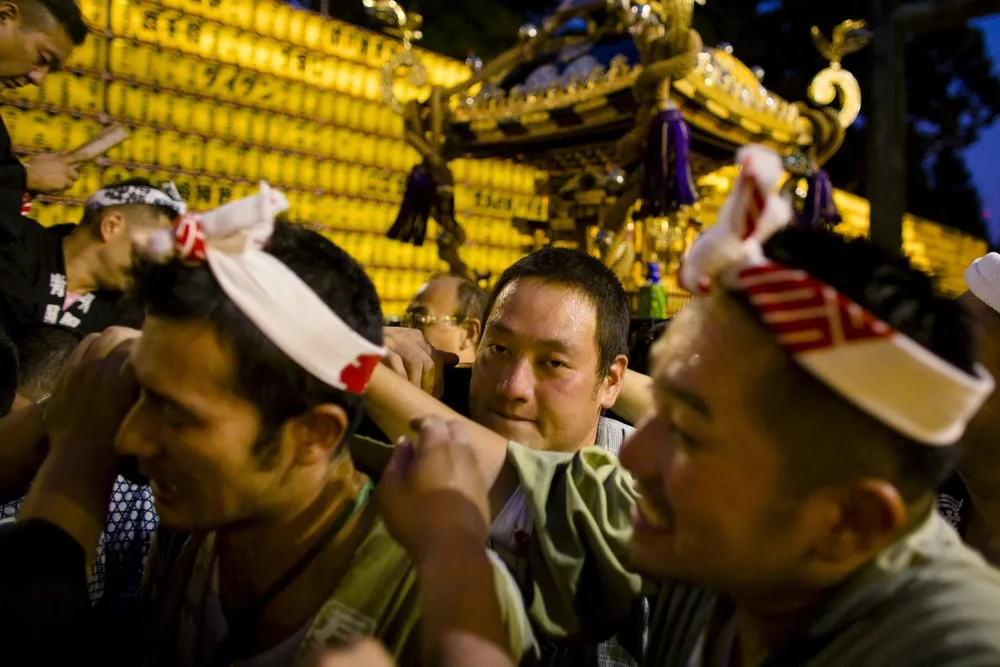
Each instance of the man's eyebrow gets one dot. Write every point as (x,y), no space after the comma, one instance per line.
(683,395)
(555,344)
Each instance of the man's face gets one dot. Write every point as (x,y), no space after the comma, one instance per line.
(27,55)
(128,226)
(710,510)
(535,379)
(194,435)
(433,311)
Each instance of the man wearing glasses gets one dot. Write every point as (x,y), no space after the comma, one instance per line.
(449,311)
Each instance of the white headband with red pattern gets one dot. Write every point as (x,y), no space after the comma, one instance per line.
(879,370)
(272,296)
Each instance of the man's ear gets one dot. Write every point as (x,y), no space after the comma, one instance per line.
(317,434)
(112,225)
(473,330)
(612,384)
(871,514)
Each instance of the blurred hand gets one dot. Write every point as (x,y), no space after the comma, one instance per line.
(433,494)
(51,172)
(364,653)
(94,393)
(411,356)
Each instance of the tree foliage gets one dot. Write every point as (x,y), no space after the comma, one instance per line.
(953,91)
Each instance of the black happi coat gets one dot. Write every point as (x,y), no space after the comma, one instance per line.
(33,283)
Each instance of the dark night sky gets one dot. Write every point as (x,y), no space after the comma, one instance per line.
(983,159)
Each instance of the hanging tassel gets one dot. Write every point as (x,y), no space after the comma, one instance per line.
(668,184)
(411,222)
(819,210)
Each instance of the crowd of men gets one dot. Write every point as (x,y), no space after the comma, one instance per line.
(215,453)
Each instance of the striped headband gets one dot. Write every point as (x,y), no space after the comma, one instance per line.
(879,370)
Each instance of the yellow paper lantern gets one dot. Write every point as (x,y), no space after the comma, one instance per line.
(369,117)
(324,175)
(307,174)
(55,89)
(280,22)
(192,153)
(250,165)
(141,147)
(354,181)
(228,49)
(259,129)
(312,35)
(279,132)
(95,12)
(215,10)
(241,119)
(246,46)
(85,94)
(217,157)
(270,166)
(326,138)
(180,110)
(297,28)
(222,120)
(144,23)
(281,61)
(294,94)
(289,166)
(224,83)
(340,177)
(201,116)
(121,19)
(239,13)
(169,147)
(366,150)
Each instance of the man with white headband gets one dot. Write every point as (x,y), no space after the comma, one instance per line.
(808,402)
(75,276)
(258,341)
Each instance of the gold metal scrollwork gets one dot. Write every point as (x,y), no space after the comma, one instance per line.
(407,27)
(836,82)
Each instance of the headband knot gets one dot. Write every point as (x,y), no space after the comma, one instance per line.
(274,298)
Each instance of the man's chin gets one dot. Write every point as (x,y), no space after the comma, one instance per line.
(652,558)
(521,432)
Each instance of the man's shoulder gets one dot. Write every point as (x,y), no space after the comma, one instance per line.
(611,434)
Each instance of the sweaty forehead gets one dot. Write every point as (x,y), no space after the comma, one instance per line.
(184,361)
(713,350)
(541,312)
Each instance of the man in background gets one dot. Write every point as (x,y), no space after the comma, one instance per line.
(449,312)
(36,37)
(75,276)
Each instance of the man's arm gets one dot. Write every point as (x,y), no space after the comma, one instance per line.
(394,404)
(23,447)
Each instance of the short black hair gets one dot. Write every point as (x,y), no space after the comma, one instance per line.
(42,352)
(65,12)
(890,288)
(579,271)
(278,387)
(641,341)
(95,215)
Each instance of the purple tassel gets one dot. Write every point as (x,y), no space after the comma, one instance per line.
(819,210)
(668,184)
(421,194)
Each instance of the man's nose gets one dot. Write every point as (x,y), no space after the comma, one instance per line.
(518,381)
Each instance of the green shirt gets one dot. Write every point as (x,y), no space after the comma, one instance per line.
(926,600)
(376,596)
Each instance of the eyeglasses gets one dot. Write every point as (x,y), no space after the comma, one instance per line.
(419,320)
